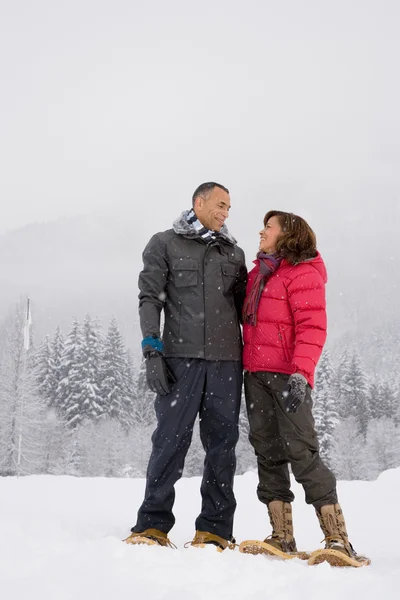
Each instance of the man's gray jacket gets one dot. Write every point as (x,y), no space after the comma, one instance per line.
(201,288)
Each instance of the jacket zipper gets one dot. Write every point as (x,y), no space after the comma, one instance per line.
(204,301)
(282,338)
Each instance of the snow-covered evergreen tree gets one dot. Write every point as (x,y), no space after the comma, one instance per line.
(376,404)
(116,385)
(340,381)
(91,402)
(131,378)
(354,392)
(389,395)
(74,459)
(56,441)
(46,383)
(21,411)
(325,406)
(144,422)
(31,418)
(383,438)
(70,390)
(143,408)
(382,447)
(57,350)
(48,372)
(245,456)
(347,450)
(397,409)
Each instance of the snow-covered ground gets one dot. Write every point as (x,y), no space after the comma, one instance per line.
(60,539)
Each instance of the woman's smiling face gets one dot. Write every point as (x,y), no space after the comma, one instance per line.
(269,236)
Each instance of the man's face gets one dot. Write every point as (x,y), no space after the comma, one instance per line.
(213,211)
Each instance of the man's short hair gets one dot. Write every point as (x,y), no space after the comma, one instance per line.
(205,189)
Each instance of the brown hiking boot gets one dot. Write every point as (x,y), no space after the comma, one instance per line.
(338,551)
(203,538)
(280,516)
(150,537)
(281,542)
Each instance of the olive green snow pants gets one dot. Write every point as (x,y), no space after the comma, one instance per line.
(280,438)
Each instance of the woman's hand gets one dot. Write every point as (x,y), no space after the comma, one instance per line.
(294,392)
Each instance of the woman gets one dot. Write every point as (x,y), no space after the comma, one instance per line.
(284,333)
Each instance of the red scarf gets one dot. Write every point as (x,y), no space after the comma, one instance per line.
(268,265)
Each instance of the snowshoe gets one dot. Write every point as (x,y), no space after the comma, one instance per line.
(271,547)
(204,538)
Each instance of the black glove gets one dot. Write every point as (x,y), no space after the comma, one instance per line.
(157,373)
(294,393)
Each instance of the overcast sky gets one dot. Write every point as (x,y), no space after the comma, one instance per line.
(120,104)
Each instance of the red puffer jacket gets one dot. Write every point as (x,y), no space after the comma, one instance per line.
(291,320)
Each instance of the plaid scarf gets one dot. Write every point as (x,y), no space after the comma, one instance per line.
(268,264)
(206,234)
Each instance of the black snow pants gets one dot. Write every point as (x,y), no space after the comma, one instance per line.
(280,438)
(211,390)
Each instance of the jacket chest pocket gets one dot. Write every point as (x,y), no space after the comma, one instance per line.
(229,275)
(185,272)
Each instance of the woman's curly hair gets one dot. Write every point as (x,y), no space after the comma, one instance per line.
(298,241)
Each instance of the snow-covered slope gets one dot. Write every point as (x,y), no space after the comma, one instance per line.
(60,540)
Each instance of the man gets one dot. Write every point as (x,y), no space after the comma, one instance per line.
(196,274)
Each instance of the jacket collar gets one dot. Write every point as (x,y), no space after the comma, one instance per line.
(182,227)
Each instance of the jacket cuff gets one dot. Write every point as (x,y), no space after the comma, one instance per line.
(300,374)
(154,342)
(297,371)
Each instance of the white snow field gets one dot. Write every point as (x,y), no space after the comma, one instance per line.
(60,539)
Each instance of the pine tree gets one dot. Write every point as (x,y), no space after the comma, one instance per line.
(397,410)
(143,408)
(92,404)
(70,389)
(347,450)
(389,393)
(354,395)
(382,448)
(144,422)
(48,367)
(44,371)
(56,440)
(31,421)
(376,405)
(116,382)
(74,448)
(245,457)
(21,412)
(325,406)
(115,443)
(47,372)
(131,390)
(339,382)
(57,351)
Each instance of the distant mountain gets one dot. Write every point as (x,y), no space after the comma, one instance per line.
(73,266)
